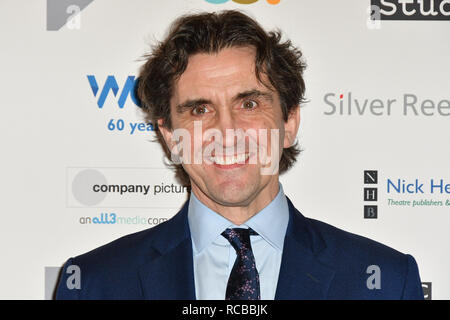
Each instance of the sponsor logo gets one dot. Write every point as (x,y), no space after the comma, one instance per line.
(65,13)
(414,192)
(417,186)
(111,84)
(405,188)
(410,10)
(113,188)
(370,194)
(409,104)
(113,218)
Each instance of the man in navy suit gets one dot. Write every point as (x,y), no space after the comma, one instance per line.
(226,96)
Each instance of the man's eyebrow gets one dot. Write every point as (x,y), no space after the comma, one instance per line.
(253,93)
(191,103)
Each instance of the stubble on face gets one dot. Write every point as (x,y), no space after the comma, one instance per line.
(222,91)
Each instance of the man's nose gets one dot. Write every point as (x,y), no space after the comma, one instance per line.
(227,124)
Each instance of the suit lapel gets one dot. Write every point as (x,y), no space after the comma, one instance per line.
(302,274)
(170,273)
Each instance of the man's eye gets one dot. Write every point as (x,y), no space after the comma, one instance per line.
(198,110)
(249,104)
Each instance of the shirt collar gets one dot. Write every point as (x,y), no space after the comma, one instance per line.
(270,223)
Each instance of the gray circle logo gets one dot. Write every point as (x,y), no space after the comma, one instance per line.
(82,187)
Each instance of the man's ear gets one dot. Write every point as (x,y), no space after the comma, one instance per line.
(166,133)
(291,127)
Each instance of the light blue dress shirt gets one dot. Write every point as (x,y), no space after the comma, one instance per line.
(214,256)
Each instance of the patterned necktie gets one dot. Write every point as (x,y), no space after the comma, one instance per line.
(243,283)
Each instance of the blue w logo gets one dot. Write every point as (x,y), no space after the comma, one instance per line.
(111,85)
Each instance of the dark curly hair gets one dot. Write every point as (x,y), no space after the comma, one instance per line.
(209,33)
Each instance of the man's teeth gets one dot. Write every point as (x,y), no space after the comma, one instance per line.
(240,158)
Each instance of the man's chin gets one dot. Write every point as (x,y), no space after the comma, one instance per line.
(232,195)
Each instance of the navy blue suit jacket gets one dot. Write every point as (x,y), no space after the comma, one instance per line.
(319,261)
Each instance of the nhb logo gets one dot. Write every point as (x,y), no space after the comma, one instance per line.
(242,1)
(371,194)
(111,85)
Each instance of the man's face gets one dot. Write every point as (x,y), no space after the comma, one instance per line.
(221,92)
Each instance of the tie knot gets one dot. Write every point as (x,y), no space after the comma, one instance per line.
(239,238)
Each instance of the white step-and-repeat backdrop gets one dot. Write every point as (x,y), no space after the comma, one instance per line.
(375,132)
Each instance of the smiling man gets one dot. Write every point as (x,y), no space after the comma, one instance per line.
(221,91)
(226,96)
